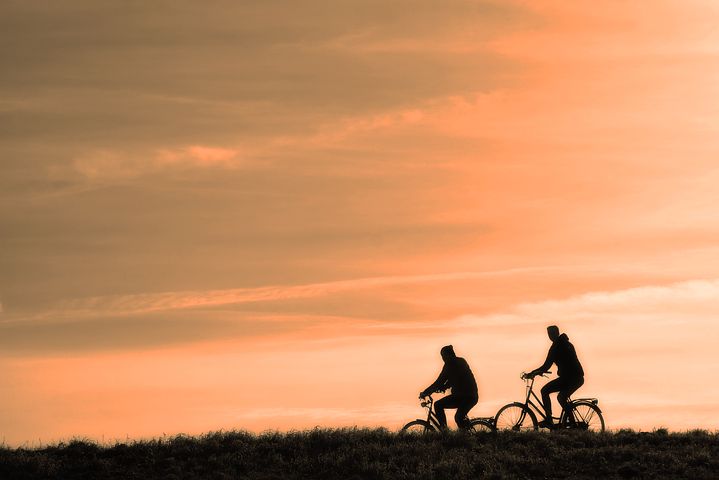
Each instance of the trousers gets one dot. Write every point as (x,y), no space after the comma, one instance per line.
(462,403)
(566,386)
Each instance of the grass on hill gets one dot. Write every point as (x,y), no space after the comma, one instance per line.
(376,454)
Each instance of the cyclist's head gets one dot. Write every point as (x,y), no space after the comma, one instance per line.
(447,352)
(553,332)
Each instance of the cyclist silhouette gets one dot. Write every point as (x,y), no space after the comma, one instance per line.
(456,375)
(569,371)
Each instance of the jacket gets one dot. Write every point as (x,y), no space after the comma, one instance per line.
(562,353)
(456,375)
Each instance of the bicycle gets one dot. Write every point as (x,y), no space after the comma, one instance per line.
(581,414)
(478,424)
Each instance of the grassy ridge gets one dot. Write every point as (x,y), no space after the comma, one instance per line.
(377,454)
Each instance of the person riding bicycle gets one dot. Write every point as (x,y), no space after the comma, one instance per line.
(569,371)
(456,375)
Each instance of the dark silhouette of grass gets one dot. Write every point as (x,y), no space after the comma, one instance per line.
(376,454)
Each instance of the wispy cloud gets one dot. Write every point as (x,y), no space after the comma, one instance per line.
(107,164)
(153,302)
(677,303)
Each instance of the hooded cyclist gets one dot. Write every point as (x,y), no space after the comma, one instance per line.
(456,375)
(569,371)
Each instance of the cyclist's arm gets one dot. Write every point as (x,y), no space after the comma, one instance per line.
(438,384)
(546,365)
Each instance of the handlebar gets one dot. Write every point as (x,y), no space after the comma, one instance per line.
(426,401)
(527,376)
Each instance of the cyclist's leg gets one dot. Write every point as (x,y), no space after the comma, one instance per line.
(463,409)
(571,386)
(450,401)
(555,385)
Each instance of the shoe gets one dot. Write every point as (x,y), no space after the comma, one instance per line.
(546,424)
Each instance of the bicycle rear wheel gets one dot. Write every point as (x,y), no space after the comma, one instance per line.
(583,416)
(477,425)
(515,416)
(417,427)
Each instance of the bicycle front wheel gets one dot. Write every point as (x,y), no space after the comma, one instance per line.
(516,417)
(417,427)
(477,425)
(583,416)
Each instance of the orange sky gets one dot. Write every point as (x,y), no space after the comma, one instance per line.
(262,217)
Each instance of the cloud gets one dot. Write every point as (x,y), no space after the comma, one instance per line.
(212,155)
(148,320)
(136,332)
(641,300)
(676,303)
(87,72)
(155,302)
(371,306)
(113,164)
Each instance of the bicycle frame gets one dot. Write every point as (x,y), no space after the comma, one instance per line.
(537,407)
(431,416)
(434,421)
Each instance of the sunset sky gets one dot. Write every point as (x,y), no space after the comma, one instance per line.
(273,214)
